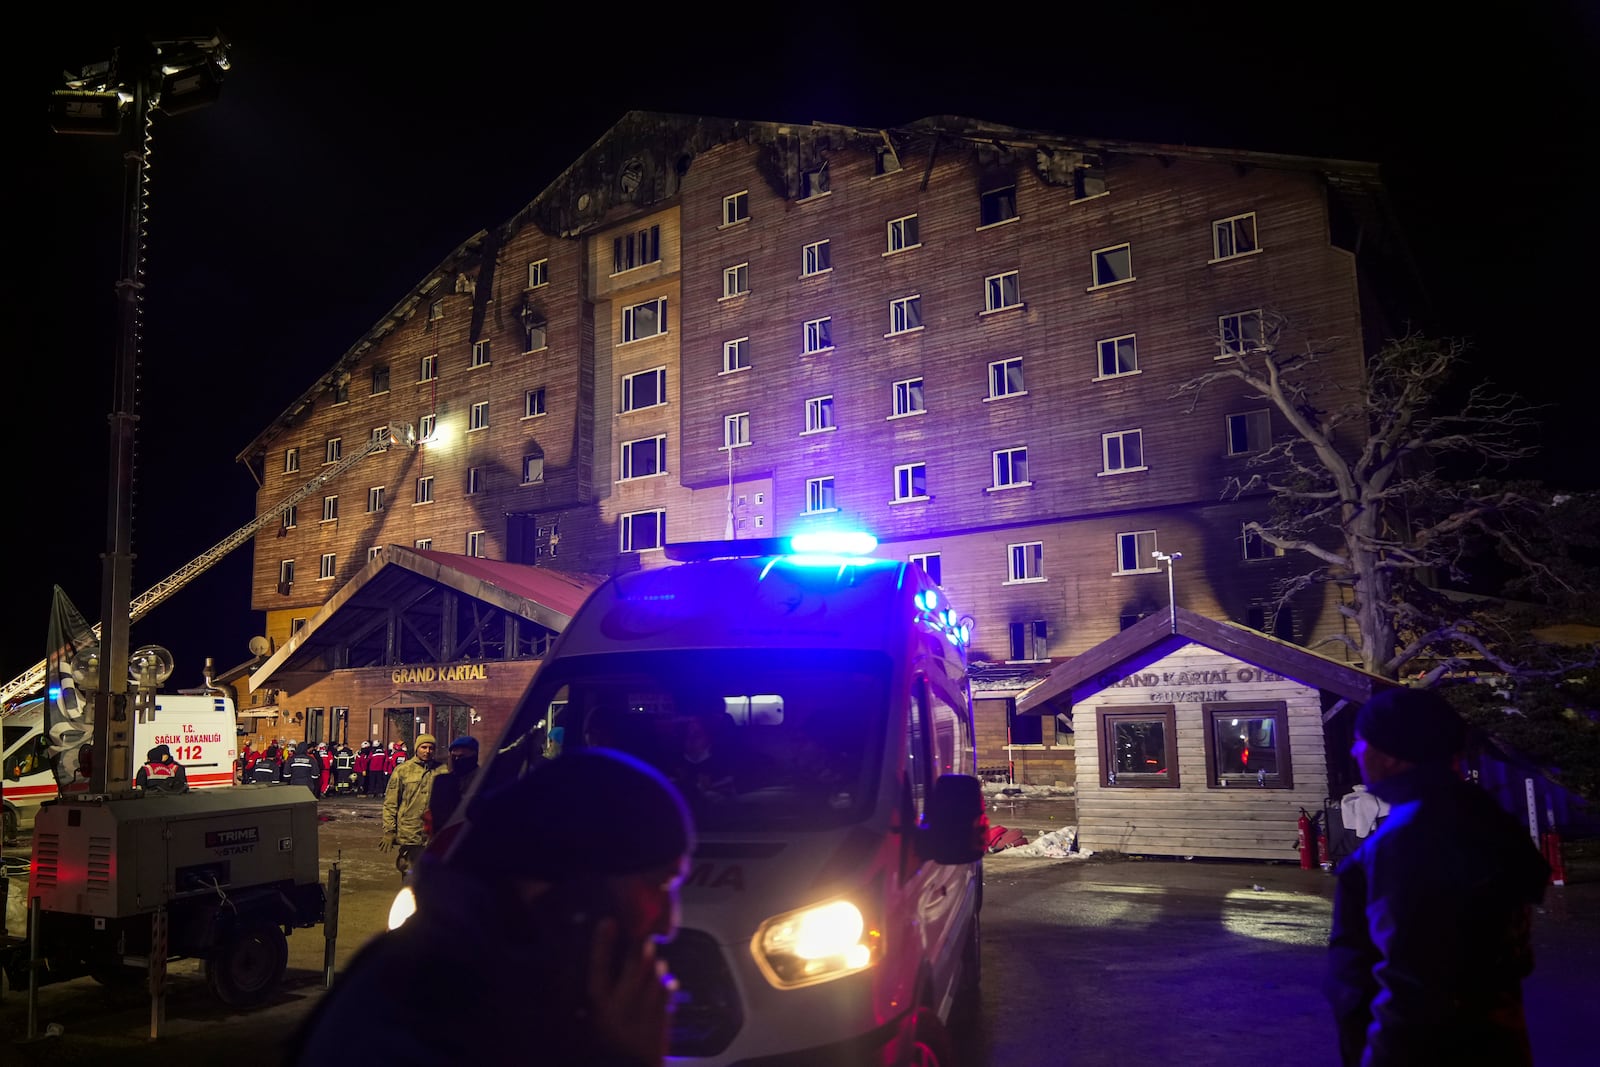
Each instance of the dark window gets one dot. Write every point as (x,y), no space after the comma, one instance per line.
(1029,640)
(997,205)
(1138,748)
(380,379)
(1023,729)
(1247,745)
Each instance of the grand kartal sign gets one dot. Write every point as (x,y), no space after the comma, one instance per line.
(461,672)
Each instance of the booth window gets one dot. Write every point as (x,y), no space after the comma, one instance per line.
(1138,747)
(1247,745)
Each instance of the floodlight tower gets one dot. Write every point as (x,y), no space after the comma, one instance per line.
(119,97)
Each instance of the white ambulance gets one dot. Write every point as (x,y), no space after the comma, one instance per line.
(201,731)
(831,912)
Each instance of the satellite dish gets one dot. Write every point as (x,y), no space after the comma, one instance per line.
(149,665)
(260,646)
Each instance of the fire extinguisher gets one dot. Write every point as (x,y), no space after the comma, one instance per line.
(1308,857)
(1322,838)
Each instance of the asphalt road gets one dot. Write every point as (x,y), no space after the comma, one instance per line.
(1087,962)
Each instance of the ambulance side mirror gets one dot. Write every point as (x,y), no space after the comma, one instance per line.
(953,822)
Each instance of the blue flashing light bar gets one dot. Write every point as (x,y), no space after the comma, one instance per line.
(833,543)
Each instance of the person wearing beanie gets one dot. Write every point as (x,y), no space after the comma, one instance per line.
(448,789)
(557,923)
(405,804)
(1431,913)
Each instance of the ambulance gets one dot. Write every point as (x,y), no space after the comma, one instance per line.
(201,731)
(818,698)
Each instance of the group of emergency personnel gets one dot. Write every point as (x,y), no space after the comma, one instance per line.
(322,768)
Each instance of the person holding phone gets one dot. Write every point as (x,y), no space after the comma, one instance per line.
(535,931)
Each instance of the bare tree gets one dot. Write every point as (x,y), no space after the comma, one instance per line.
(1385,484)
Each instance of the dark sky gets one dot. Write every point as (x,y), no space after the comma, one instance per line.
(346,158)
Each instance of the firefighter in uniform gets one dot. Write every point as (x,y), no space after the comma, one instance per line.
(344,771)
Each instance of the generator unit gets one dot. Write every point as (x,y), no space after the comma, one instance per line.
(223,875)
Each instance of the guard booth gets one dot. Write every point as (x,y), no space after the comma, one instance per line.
(1203,738)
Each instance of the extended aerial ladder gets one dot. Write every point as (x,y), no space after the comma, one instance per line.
(33,678)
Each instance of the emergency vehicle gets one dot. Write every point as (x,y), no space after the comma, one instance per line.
(200,730)
(831,913)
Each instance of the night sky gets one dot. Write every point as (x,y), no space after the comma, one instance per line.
(345,159)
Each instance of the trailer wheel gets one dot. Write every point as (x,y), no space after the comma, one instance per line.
(11,828)
(245,969)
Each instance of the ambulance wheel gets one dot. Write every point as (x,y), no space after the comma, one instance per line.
(930,1041)
(247,967)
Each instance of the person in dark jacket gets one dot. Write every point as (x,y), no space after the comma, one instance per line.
(161,773)
(304,768)
(450,788)
(554,924)
(1431,915)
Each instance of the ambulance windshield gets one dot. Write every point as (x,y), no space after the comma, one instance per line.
(754,739)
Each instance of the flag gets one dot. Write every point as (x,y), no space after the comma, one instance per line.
(69,717)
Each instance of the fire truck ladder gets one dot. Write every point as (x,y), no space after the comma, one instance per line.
(33,678)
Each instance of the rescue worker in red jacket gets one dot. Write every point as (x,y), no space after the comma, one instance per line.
(161,773)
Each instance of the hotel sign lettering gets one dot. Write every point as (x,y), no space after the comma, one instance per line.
(462,672)
(1182,687)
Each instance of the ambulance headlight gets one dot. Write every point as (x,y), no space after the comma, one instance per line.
(404,906)
(815,944)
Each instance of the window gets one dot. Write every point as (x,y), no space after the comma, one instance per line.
(885,160)
(644,320)
(291,516)
(423,543)
(1026,562)
(819,414)
(1235,236)
(1136,552)
(814,182)
(286,572)
(1122,451)
(1112,265)
(645,389)
(340,392)
(538,273)
(736,430)
(736,281)
(1030,643)
(533,403)
(532,469)
(425,489)
(374,552)
(930,564)
(643,530)
(736,355)
(333,450)
(997,205)
(297,623)
(426,427)
(1005,378)
(327,568)
(1271,618)
(819,335)
(903,234)
(478,419)
(1010,467)
(1249,431)
(905,314)
(1023,729)
(435,311)
(819,495)
(535,330)
(636,249)
(430,369)
(1247,744)
(1118,356)
(908,398)
(1087,182)
(380,438)
(380,380)
(1000,291)
(330,509)
(911,481)
(291,461)
(1239,333)
(480,354)
(644,457)
(474,480)
(1256,546)
(815,258)
(1138,748)
(475,543)
(735,208)
(375,499)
